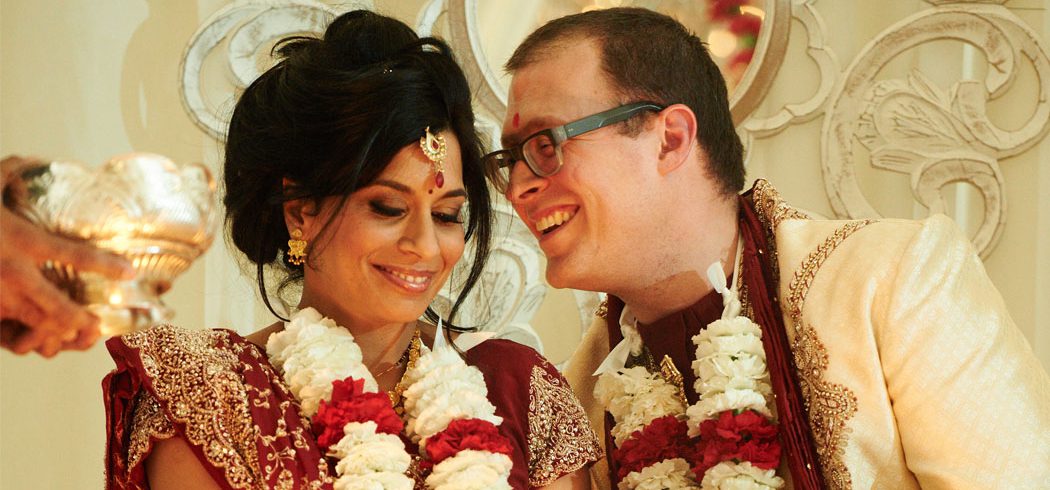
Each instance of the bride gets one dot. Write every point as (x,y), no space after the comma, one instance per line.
(352,166)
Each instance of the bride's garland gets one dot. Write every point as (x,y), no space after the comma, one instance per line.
(447,412)
(726,440)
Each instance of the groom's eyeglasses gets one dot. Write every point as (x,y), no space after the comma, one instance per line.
(541,151)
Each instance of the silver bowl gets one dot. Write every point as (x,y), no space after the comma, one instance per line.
(159,215)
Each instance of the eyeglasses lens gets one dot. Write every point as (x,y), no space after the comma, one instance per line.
(543,154)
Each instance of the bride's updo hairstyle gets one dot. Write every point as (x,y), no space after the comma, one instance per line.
(329,117)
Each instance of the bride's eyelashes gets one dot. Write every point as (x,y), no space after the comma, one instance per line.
(385,210)
(454,217)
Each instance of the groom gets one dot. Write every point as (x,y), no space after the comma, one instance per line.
(893,360)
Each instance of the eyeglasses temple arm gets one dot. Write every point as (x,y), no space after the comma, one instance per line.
(603,119)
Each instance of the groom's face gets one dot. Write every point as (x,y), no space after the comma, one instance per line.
(589,216)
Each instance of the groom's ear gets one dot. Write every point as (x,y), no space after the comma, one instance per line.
(677,126)
(299,214)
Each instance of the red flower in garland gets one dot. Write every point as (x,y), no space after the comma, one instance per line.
(461,434)
(747,436)
(664,438)
(350,403)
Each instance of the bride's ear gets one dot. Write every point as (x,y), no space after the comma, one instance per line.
(299,214)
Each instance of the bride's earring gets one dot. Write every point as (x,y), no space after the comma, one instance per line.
(296,249)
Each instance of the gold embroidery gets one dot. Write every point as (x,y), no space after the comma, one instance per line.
(197,375)
(415,471)
(772,210)
(829,405)
(672,376)
(603,310)
(560,437)
(149,424)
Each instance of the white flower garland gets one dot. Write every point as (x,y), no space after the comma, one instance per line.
(731,375)
(635,397)
(313,351)
(730,369)
(669,473)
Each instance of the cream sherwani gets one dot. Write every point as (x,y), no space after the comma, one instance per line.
(912,371)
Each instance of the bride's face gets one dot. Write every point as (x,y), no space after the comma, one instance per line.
(387,252)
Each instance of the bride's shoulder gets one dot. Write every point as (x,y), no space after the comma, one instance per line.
(260,337)
(509,358)
(176,347)
(505,347)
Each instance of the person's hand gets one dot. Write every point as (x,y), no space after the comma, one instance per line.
(35,314)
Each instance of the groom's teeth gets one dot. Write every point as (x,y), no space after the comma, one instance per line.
(554,219)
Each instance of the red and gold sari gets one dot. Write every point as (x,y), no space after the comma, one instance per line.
(219,392)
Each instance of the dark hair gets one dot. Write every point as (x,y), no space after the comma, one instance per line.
(647,55)
(329,117)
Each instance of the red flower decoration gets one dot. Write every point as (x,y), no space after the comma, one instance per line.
(742,58)
(349,403)
(745,25)
(664,438)
(747,436)
(476,434)
(719,10)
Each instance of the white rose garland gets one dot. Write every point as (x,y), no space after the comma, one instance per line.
(635,397)
(312,352)
(442,388)
(667,474)
(739,476)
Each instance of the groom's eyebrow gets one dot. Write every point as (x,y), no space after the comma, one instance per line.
(514,137)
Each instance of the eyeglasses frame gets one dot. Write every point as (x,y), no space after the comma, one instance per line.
(565,132)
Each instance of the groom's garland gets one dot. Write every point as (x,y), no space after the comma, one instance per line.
(726,440)
(447,412)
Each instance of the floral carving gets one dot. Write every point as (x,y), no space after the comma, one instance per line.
(937,137)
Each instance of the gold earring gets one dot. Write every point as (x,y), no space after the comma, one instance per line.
(434,148)
(296,249)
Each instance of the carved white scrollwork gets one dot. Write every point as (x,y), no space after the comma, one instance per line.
(510,289)
(937,137)
(248,27)
(466,41)
(817,50)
